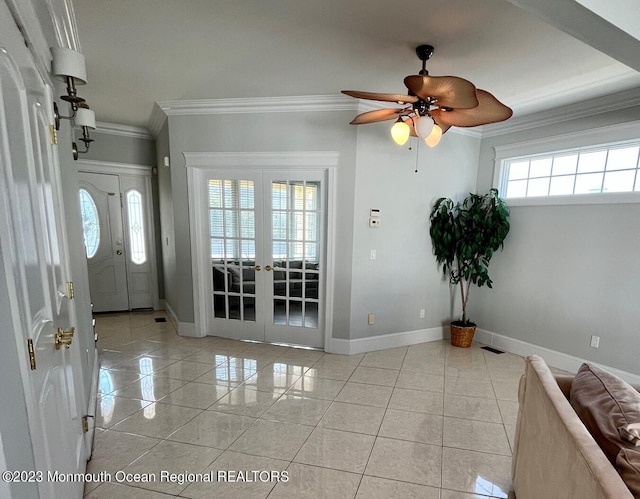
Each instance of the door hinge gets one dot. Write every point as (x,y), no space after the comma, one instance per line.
(70,294)
(32,354)
(53,134)
(85,424)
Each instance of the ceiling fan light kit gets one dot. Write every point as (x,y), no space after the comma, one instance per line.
(433,105)
(400,132)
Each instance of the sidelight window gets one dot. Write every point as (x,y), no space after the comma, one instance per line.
(135,217)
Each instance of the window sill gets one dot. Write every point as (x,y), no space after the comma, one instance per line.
(601,198)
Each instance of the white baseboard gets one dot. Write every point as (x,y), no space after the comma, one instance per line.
(183,328)
(384,341)
(553,358)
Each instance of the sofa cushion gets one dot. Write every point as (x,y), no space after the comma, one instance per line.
(608,406)
(631,432)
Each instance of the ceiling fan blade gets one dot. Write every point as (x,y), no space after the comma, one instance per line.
(490,110)
(449,91)
(380,115)
(399,98)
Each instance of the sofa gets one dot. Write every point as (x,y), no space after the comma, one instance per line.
(555,455)
(234,276)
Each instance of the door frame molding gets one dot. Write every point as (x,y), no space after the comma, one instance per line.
(146,172)
(199,163)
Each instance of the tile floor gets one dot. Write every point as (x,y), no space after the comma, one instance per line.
(426,421)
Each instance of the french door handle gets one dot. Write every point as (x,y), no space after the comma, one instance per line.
(268,268)
(258,268)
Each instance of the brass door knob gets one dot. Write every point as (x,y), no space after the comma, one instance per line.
(64,337)
(268,268)
(258,268)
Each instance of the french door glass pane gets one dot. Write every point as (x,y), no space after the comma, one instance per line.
(295,245)
(233,248)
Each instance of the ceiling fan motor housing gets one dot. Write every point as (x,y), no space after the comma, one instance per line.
(424,53)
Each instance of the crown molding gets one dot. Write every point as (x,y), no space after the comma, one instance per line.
(257,105)
(123,130)
(163,109)
(598,105)
(157,120)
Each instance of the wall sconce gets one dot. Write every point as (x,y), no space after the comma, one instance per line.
(84,118)
(69,66)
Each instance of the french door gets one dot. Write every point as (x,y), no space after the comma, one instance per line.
(266,249)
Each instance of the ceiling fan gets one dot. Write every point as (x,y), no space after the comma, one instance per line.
(433,105)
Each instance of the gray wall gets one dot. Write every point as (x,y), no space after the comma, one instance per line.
(119,149)
(373,173)
(404,277)
(567,272)
(318,131)
(164,215)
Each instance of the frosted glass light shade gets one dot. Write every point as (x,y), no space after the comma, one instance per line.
(423,127)
(85,117)
(434,137)
(67,62)
(400,132)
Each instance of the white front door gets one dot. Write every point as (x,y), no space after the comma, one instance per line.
(266,248)
(101,209)
(36,266)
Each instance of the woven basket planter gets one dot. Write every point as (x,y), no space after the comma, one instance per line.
(462,336)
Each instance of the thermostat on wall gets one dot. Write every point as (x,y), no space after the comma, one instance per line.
(374,218)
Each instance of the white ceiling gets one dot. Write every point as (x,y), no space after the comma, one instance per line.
(142,51)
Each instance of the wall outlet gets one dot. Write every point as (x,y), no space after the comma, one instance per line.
(422,312)
(371,319)
(373,254)
(595,341)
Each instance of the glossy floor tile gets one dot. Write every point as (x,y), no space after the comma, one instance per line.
(215,417)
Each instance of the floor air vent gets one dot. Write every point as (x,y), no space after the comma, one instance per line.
(491,349)
(163,319)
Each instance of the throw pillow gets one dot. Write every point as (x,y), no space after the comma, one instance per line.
(609,407)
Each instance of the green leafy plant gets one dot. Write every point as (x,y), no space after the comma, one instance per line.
(465,235)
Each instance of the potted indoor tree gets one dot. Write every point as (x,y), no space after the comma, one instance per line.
(465,235)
